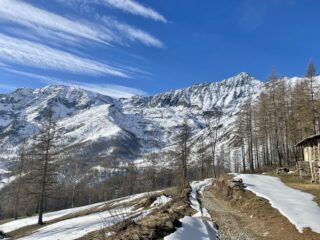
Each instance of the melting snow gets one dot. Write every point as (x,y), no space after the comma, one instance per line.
(16,224)
(297,206)
(77,227)
(195,227)
(160,201)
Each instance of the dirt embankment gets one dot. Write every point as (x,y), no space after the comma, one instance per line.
(241,215)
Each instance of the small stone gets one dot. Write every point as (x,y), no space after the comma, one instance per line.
(169,224)
(135,237)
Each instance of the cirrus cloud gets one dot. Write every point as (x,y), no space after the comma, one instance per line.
(112,90)
(39,19)
(35,35)
(57,28)
(135,8)
(37,55)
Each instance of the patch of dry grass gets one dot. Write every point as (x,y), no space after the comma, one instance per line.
(160,223)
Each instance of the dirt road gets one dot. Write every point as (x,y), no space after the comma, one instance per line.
(231,226)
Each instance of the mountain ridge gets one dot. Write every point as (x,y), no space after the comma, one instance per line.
(106,129)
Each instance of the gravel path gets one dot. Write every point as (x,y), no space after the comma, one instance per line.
(229,225)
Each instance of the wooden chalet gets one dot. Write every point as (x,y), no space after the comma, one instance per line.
(311,155)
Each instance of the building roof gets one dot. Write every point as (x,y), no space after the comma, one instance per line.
(308,140)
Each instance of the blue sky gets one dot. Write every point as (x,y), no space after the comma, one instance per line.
(126,47)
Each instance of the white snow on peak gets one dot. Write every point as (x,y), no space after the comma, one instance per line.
(89,125)
(122,129)
(3,171)
(6,181)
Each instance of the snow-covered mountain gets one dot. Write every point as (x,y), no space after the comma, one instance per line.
(105,129)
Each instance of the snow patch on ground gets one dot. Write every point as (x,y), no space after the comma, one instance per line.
(198,187)
(134,197)
(297,206)
(77,227)
(160,201)
(16,224)
(195,227)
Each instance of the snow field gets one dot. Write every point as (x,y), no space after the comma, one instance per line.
(77,227)
(23,222)
(297,206)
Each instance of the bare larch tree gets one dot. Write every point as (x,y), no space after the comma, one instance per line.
(43,174)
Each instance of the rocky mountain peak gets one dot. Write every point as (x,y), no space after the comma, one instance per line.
(100,127)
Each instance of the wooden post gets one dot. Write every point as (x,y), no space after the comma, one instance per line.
(318,161)
(311,170)
(300,169)
(318,152)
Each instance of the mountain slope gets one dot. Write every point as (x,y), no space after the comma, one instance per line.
(104,130)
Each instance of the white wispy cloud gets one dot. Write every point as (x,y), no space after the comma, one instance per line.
(128,6)
(40,20)
(132,33)
(34,37)
(68,30)
(112,90)
(33,54)
(135,8)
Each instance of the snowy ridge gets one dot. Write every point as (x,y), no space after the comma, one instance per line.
(101,127)
(206,96)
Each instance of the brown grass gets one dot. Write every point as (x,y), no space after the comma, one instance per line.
(160,223)
(5,221)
